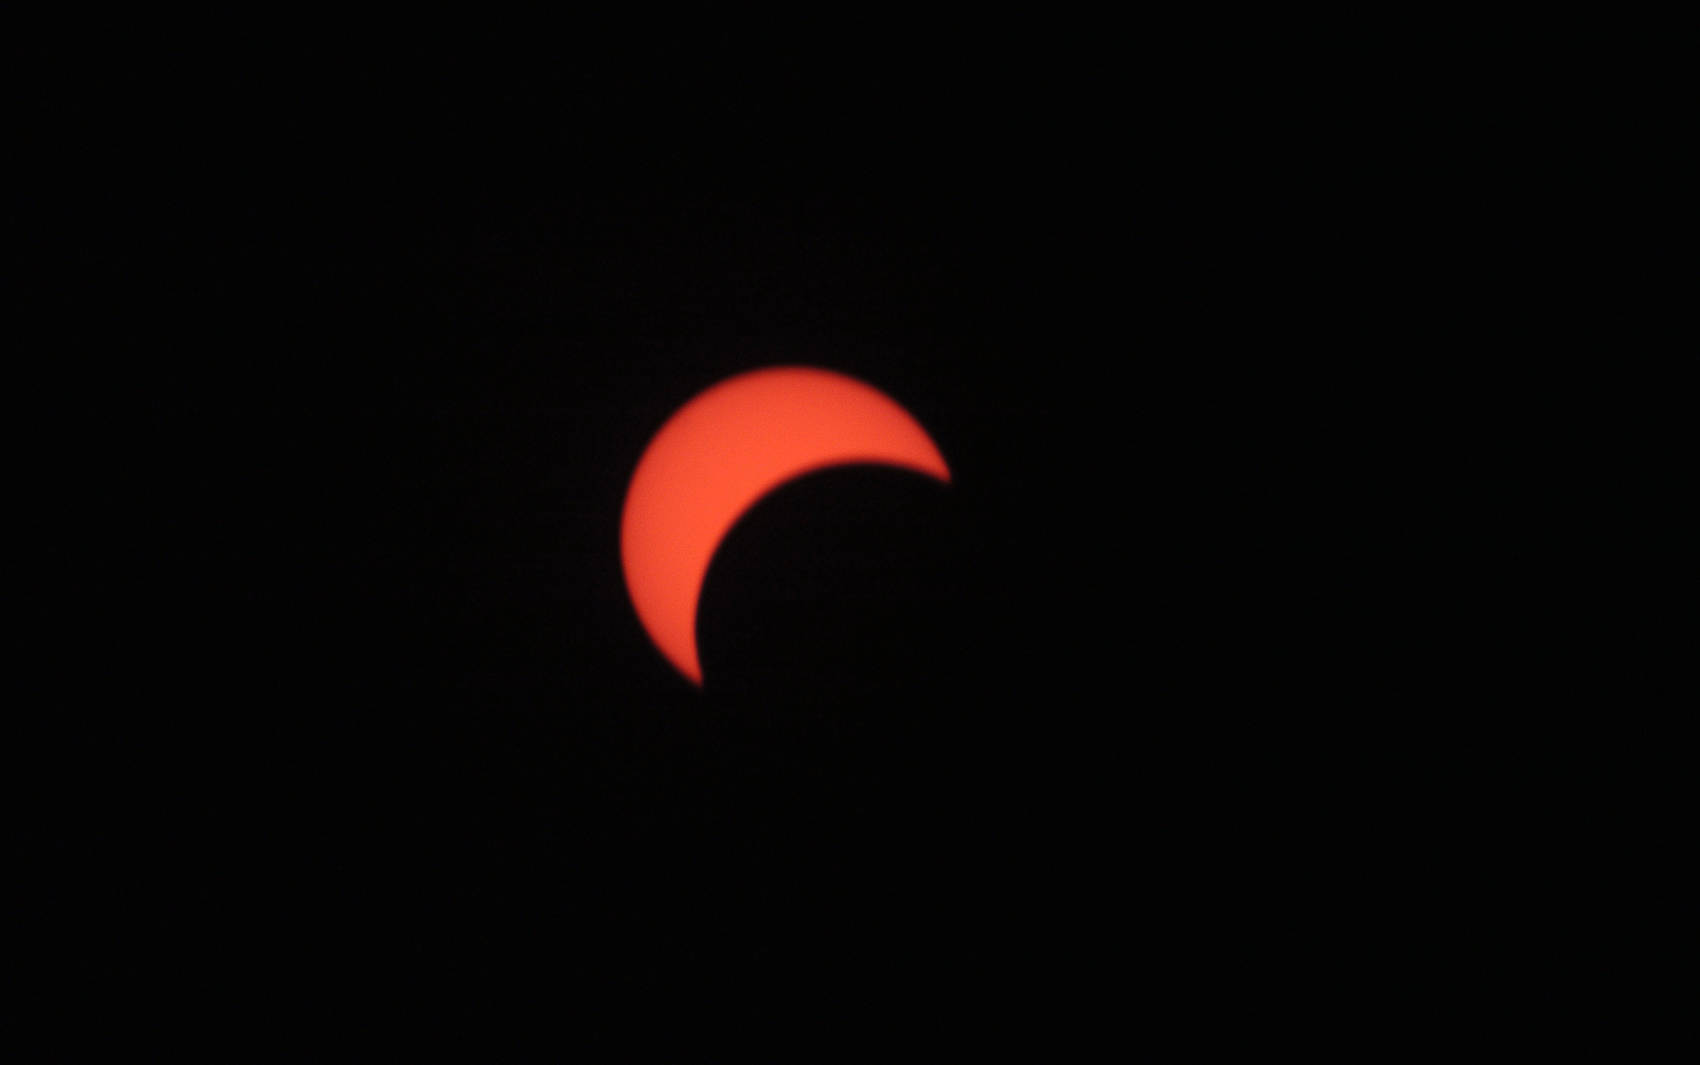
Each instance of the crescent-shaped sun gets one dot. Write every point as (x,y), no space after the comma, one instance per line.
(722,452)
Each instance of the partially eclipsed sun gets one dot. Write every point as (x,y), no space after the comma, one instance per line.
(722,452)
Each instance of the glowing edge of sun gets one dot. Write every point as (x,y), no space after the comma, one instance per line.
(720,454)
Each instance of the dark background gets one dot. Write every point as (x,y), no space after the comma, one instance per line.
(1185,720)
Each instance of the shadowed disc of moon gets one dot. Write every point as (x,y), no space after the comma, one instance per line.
(721,453)
(842,589)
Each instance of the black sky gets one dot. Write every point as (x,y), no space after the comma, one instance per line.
(1162,727)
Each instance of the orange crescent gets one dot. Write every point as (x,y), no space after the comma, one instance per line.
(722,452)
